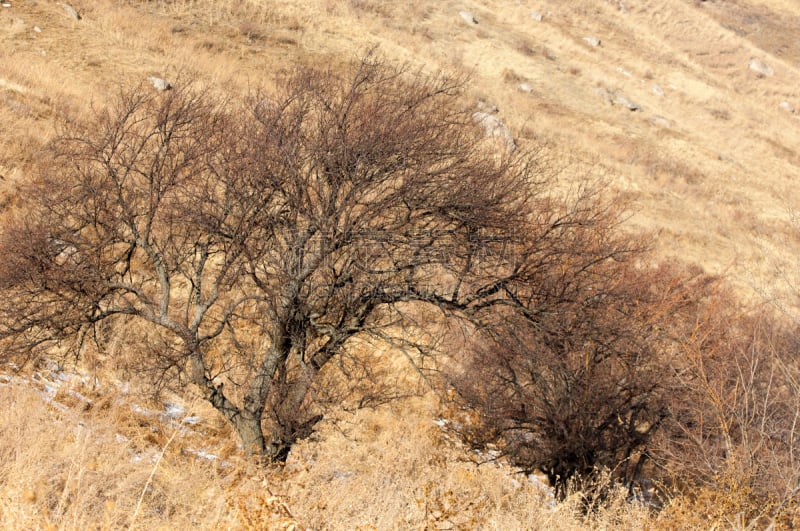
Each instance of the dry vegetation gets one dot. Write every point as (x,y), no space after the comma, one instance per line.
(709,165)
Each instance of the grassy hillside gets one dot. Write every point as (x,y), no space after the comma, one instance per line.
(709,160)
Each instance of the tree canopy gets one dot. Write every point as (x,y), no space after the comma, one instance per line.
(254,239)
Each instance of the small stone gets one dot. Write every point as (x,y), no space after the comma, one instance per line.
(71,11)
(524,87)
(37,29)
(495,129)
(786,106)
(468,17)
(760,67)
(535,15)
(592,41)
(615,98)
(625,102)
(660,121)
(159,83)
(658,91)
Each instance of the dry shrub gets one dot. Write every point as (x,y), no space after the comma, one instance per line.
(392,468)
(660,376)
(583,386)
(733,435)
(668,383)
(575,378)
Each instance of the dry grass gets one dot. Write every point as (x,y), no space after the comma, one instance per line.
(81,459)
(78,454)
(102,465)
(716,107)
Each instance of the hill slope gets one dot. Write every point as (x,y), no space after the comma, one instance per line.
(709,159)
(711,155)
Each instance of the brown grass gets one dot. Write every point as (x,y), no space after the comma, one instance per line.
(107,467)
(101,469)
(95,455)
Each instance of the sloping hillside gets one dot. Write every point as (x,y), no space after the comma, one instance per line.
(689,109)
(710,155)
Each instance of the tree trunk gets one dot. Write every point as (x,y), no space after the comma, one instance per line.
(283,437)
(245,420)
(278,449)
(248,426)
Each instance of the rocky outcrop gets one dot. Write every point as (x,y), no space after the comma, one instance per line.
(760,67)
(468,17)
(495,129)
(159,83)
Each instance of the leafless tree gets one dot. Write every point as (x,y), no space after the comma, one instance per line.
(579,380)
(253,241)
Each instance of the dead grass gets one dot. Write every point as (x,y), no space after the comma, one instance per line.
(94,462)
(394,468)
(106,466)
(77,453)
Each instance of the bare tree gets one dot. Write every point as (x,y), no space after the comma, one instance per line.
(253,241)
(580,378)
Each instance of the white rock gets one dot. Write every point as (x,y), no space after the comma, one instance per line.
(202,454)
(615,98)
(660,121)
(625,102)
(468,17)
(592,41)
(535,15)
(759,66)
(37,29)
(159,83)
(495,129)
(174,410)
(658,91)
(71,11)
(524,87)
(786,106)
